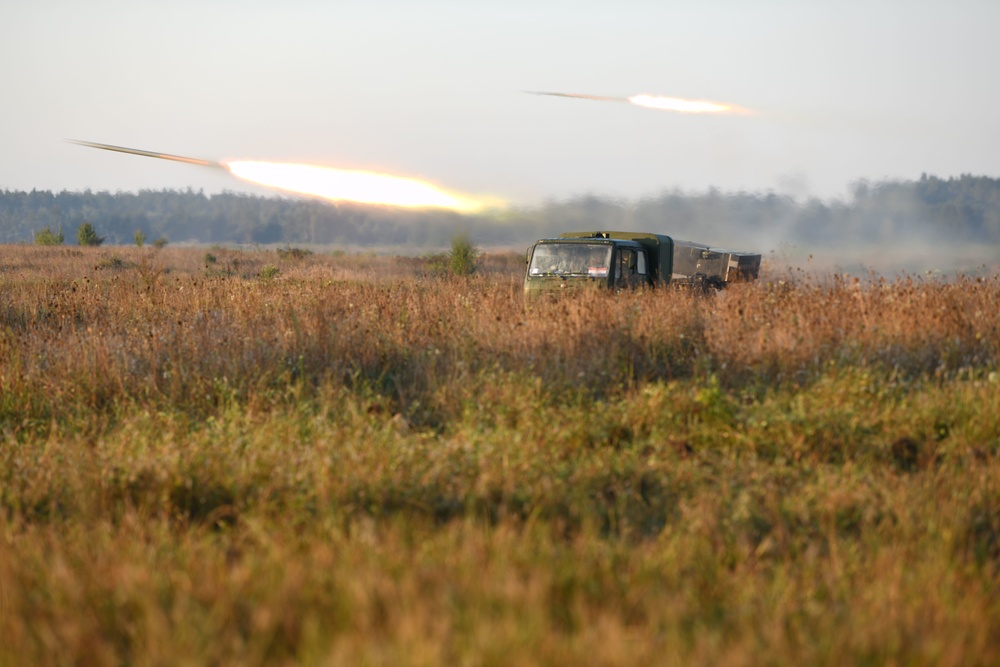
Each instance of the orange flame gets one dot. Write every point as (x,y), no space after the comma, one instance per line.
(683,106)
(365,187)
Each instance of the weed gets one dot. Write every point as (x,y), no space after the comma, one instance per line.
(356,463)
(269,272)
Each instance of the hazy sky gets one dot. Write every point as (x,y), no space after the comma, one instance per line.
(841,90)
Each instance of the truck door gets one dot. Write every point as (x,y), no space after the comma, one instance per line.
(631,270)
(641,268)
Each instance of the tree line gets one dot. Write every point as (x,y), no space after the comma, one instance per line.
(964,209)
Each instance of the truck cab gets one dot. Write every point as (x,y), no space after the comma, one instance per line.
(580,262)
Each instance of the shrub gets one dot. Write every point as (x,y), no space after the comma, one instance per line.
(293,254)
(45,236)
(269,271)
(463,256)
(437,264)
(139,237)
(113,263)
(86,235)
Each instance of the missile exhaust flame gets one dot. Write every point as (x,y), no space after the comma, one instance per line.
(660,102)
(364,187)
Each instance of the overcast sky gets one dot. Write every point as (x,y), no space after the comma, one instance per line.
(841,91)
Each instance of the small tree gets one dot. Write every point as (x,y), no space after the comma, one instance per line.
(463,256)
(45,236)
(139,237)
(87,235)
(160,242)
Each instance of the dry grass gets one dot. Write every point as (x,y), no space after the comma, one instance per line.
(353,459)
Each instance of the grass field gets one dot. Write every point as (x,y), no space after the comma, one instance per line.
(226,457)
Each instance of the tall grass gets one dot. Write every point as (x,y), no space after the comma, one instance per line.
(358,460)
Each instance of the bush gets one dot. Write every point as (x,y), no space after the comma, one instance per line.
(293,254)
(87,235)
(114,263)
(45,236)
(139,237)
(463,256)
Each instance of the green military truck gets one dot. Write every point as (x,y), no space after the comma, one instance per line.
(624,260)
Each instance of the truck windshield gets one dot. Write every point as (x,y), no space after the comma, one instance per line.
(570,259)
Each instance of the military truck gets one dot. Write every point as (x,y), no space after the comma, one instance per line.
(628,260)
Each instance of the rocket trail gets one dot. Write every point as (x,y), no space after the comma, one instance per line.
(162,156)
(659,103)
(599,98)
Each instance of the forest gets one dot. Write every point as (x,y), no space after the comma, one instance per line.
(964,209)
